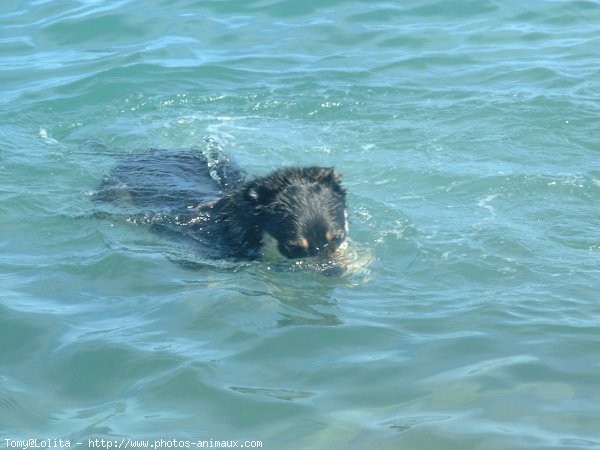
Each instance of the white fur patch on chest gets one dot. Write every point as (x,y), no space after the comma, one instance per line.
(269,250)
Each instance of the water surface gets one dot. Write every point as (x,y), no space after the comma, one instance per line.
(467,134)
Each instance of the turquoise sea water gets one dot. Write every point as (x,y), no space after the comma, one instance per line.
(468,136)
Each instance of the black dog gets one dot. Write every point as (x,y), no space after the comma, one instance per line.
(296,212)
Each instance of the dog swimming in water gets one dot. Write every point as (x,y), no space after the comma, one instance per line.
(293,213)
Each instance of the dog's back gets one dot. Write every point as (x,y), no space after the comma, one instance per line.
(168,180)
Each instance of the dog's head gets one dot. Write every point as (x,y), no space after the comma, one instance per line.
(303,211)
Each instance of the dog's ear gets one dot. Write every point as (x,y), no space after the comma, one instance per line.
(325,175)
(334,179)
(333,175)
(252,194)
(262,191)
(259,194)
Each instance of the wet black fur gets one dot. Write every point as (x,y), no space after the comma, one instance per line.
(291,205)
(302,208)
